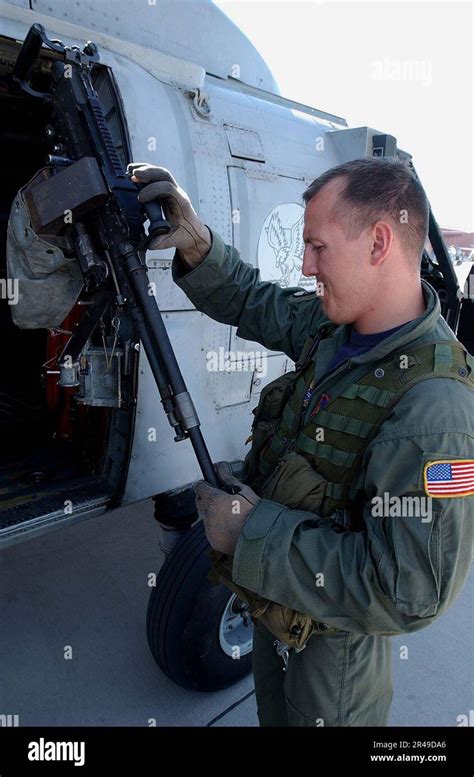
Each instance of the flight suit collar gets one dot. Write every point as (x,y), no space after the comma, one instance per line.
(408,334)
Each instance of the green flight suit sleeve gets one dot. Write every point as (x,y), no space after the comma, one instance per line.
(401,571)
(230,291)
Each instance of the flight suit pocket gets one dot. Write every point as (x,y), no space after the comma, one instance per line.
(418,557)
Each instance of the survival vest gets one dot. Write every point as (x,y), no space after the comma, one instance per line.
(337,432)
(310,461)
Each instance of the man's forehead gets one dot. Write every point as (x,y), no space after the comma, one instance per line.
(326,197)
(315,219)
(319,212)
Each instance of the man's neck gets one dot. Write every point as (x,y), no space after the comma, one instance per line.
(396,309)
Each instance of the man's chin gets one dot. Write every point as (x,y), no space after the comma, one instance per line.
(327,308)
(333,314)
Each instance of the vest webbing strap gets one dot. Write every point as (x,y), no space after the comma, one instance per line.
(354,415)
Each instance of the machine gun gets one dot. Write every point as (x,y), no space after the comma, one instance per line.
(89,197)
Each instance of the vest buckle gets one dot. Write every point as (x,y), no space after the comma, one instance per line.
(283,650)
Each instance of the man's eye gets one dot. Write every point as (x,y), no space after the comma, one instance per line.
(318,248)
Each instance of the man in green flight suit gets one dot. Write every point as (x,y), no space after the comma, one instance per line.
(356,513)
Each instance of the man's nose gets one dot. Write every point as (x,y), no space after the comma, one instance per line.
(310,264)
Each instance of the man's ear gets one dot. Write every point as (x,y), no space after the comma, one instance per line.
(382,242)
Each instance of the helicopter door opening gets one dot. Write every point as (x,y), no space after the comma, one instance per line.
(64,450)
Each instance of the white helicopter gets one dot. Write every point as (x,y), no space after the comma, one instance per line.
(181,88)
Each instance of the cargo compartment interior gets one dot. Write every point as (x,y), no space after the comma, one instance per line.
(53,451)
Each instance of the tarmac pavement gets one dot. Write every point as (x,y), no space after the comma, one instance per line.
(85,588)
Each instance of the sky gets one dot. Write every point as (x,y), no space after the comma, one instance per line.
(402,68)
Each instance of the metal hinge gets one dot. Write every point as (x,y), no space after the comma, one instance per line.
(200,102)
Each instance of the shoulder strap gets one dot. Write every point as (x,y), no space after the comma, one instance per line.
(444,365)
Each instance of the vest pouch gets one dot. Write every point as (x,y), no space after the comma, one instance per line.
(285,624)
(288,625)
(273,397)
(295,484)
(267,415)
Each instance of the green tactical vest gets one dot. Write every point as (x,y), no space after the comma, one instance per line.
(339,428)
(320,453)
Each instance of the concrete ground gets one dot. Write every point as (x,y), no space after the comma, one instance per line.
(85,586)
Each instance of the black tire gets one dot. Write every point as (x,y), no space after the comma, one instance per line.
(184,617)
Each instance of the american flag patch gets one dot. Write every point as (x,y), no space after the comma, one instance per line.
(449,478)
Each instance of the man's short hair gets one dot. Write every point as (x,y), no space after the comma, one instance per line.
(377,188)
